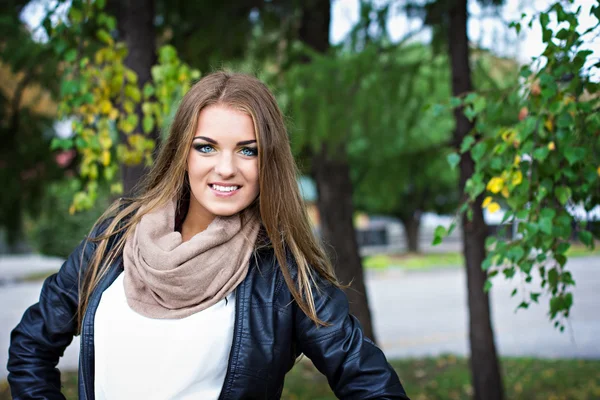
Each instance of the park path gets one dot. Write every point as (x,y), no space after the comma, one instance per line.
(422,313)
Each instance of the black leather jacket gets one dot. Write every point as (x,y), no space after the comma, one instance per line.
(270,332)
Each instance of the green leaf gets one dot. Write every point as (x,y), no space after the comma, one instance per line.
(453,159)
(534,296)
(516,253)
(586,238)
(541,153)
(564,120)
(562,248)
(439,234)
(487,285)
(574,154)
(563,194)
(544,20)
(71,55)
(467,143)
(553,277)
(490,240)
(470,113)
(104,36)
(148,123)
(548,213)
(478,151)
(148,90)
(455,102)
(63,144)
(524,305)
(167,54)
(68,87)
(451,228)
(522,214)
(545,225)
(479,104)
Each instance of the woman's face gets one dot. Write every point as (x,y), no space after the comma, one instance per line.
(222,165)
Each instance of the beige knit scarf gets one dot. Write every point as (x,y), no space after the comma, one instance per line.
(168,278)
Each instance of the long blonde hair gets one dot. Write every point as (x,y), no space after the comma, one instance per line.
(280,204)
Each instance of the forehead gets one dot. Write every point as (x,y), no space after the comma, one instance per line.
(223,123)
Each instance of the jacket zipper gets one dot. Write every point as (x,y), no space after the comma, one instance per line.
(237,331)
(93,302)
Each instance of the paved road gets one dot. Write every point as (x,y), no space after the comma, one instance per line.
(423,313)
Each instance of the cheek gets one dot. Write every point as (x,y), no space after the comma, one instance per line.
(253,175)
(196,170)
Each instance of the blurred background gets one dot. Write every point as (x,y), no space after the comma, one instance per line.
(449,155)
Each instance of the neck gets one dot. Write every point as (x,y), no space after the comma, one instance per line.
(196,221)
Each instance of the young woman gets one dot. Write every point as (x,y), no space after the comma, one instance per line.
(207,285)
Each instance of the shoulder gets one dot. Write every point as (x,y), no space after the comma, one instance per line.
(267,273)
(102,226)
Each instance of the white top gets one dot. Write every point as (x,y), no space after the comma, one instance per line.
(137,357)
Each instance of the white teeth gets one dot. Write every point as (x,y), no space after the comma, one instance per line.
(224,188)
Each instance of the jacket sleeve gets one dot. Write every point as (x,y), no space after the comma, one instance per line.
(354,366)
(45,331)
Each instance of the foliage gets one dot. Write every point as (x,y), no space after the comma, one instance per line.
(443,378)
(27,88)
(53,232)
(100,94)
(404,173)
(544,166)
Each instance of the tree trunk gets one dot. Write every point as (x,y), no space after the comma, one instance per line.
(334,188)
(412,225)
(332,176)
(487,382)
(136,28)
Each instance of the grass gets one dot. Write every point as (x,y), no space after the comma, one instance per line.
(413,260)
(450,259)
(445,377)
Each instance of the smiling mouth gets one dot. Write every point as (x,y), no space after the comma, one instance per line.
(224,189)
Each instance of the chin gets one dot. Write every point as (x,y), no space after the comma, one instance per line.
(226,211)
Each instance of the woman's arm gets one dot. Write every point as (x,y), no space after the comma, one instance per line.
(354,366)
(45,330)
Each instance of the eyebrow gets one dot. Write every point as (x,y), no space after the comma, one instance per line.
(209,140)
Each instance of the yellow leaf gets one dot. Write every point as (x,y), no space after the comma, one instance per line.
(105,140)
(116,188)
(508,135)
(551,146)
(549,124)
(598,171)
(486,201)
(517,178)
(129,106)
(113,114)
(517,160)
(568,99)
(99,57)
(505,191)
(495,184)
(105,158)
(493,207)
(105,107)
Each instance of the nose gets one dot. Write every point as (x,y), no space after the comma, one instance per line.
(225,166)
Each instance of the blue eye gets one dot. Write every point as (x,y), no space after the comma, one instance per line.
(249,151)
(204,148)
